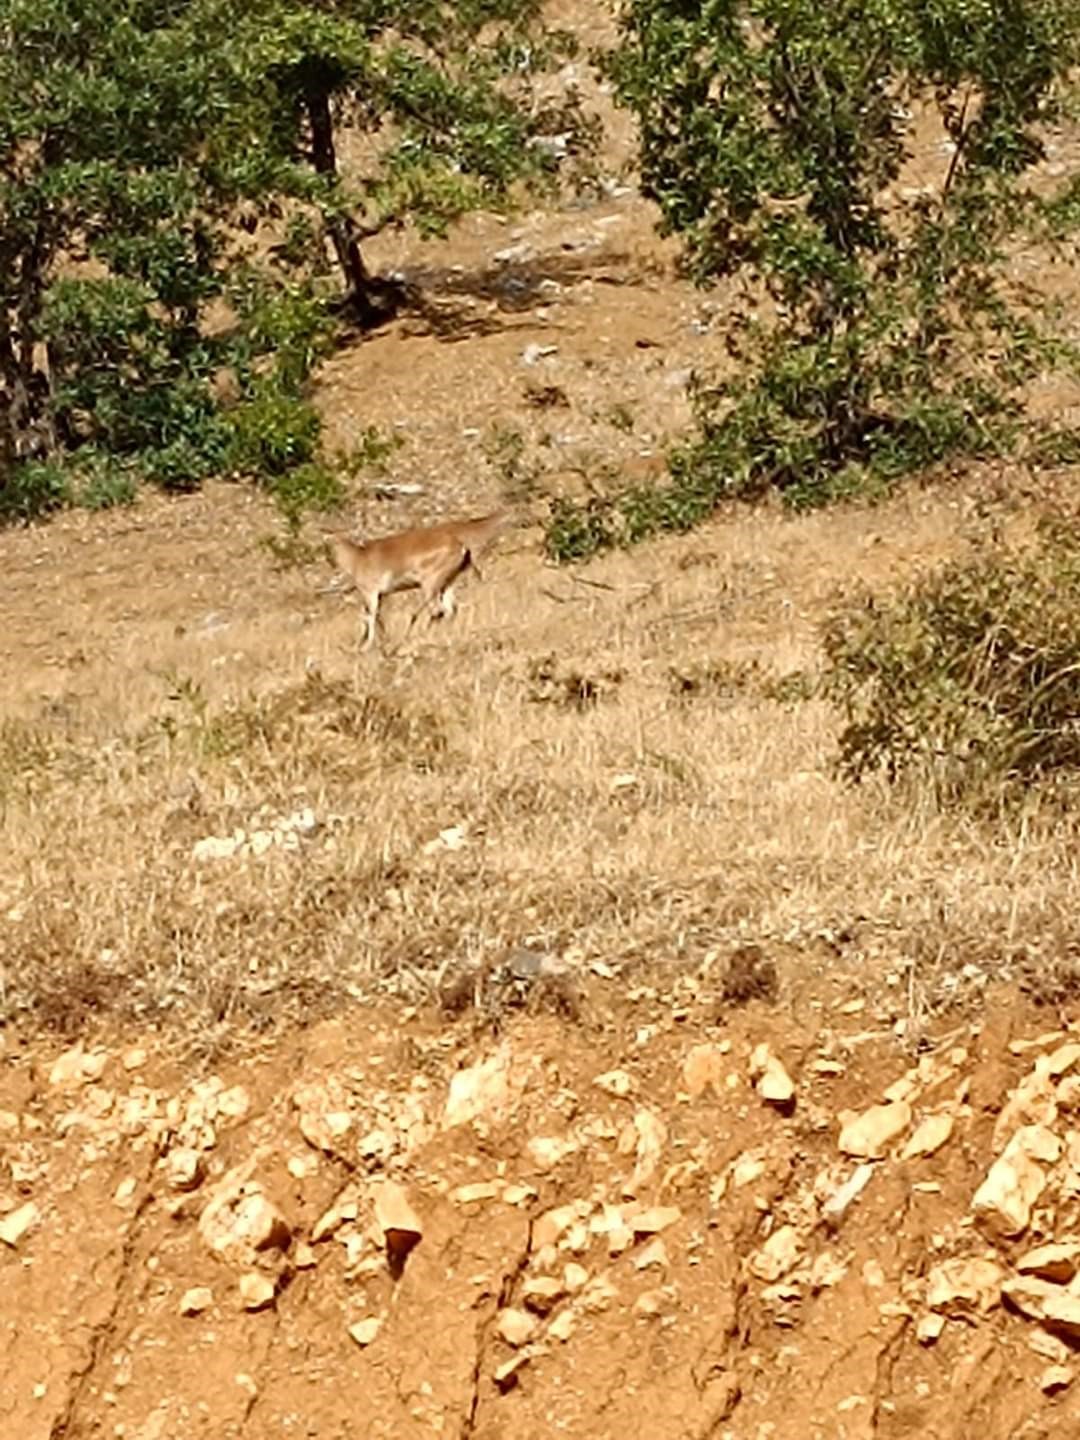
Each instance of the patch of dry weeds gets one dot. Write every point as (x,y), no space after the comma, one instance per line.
(617,769)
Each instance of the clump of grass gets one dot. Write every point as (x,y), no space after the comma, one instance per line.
(25,750)
(376,728)
(970,679)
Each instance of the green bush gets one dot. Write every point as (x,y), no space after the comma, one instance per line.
(135,150)
(881,333)
(32,490)
(271,433)
(312,486)
(970,679)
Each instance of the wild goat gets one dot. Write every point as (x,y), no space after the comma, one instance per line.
(429,559)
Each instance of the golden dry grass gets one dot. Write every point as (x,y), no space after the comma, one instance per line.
(623,786)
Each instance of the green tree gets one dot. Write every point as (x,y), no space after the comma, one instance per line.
(774,135)
(138,141)
(448,90)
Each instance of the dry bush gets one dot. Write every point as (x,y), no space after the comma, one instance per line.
(971,678)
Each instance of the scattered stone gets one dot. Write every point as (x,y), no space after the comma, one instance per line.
(76,1067)
(398,1221)
(649,1304)
(824,1066)
(9,1122)
(747,1167)
(869,1135)
(825,1271)
(516,1327)
(344,1208)
(843,1197)
(780,1253)
(482,1089)
(1049,1304)
(771,1080)
(929,1329)
(184,1168)
(1055,1378)
(234,1104)
(1037,1141)
(239,1220)
(1004,1201)
(929,1136)
(505,1375)
(376,1145)
(903,1089)
(598,1295)
(256,1291)
(702,1069)
(650,1138)
(517,1194)
(533,353)
(1033,1102)
(547,1151)
(576,1239)
(304,1256)
(873,1274)
(652,1221)
(548,1228)
(1049,1347)
(133,1058)
(16,1226)
(364,1331)
(196,1300)
(563,1326)
(615,1082)
(324,1123)
(542,1293)
(964,1286)
(454,837)
(1058,1263)
(125,1190)
(1062,1059)
(575,1278)
(476,1193)
(1040,1042)
(654,1254)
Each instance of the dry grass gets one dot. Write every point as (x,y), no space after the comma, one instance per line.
(604,804)
(626,780)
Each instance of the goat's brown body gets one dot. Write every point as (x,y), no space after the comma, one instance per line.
(429,559)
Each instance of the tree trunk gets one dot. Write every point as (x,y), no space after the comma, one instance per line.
(23,404)
(372,299)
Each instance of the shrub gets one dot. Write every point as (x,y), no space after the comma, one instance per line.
(33,489)
(970,679)
(881,335)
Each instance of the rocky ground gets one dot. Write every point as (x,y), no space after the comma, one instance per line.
(620,1210)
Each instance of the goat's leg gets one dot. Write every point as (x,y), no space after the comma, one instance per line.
(372,618)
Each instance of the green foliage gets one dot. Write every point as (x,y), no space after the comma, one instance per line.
(882,337)
(451,87)
(34,489)
(271,433)
(307,487)
(970,679)
(136,139)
